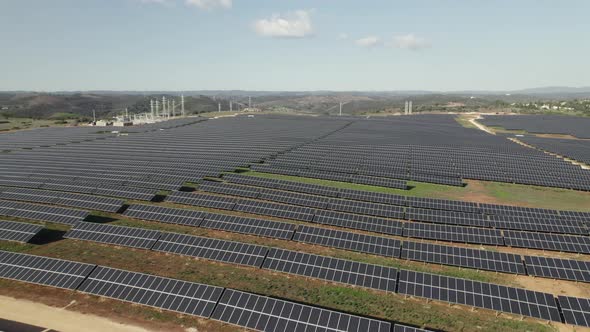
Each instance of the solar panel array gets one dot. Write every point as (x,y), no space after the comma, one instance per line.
(556,268)
(260,227)
(41,212)
(477,294)
(118,235)
(576,311)
(578,150)
(382,246)
(541,124)
(263,313)
(165,293)
(430,148)
(226,305)
(18,231)
(465,257)
(332,269)
(60,198)
(411,208)
(372,152)
(42,270)
(213,249)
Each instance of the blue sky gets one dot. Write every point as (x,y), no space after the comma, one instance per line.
(293,45)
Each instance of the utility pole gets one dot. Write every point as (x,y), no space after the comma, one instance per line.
(173,107)
(126,113)
(94,116)
(249,103)
(340,108)
(218,107)
(231,106)
(157,108)
(182,104)
(152,107)
(410,107)
(168,109)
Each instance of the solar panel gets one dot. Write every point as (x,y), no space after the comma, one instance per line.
(243,225)
(202,200)
(293,198)
(552,225)
(42,212)
(18,231)
(307,188)
(453,233)
(140,194)
(250,180)
(546,241)
(354,221)
(213,249)
(372,209)
(275,210)
(556,268)
(375,197)
(443,204)
(332,269)
(478,294)
(403,328)
(447,217)
(263,313)
(118,235)
(61,198)
(164,293)
(42,270)
(576,311)
(350,241)
(465,257)
(228,189)
(165,215)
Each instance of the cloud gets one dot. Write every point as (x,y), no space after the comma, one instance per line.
(208,4)
(292,25)
(369,41)
(343,36)
(410,42)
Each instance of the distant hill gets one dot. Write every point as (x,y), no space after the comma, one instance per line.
(81,104)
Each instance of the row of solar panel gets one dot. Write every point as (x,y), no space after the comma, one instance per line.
(41,212)
(454,290)
(96,188)
(550,225)
(442,232)
(282,166)
(60,198)
(388,247)
(341,177)
(393,199)
(235,307)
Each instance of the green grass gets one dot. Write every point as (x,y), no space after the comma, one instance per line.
(477,191)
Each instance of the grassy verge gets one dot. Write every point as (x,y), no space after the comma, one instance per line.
(355,300)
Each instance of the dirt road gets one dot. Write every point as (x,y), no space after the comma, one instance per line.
(59,319)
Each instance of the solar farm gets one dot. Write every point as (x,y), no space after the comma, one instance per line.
(301,223)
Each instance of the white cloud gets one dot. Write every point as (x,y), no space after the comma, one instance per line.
(292,25)
(343,36)
(410,42)
(209,4)
(369,41)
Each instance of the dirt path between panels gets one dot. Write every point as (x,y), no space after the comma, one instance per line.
(59,319)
